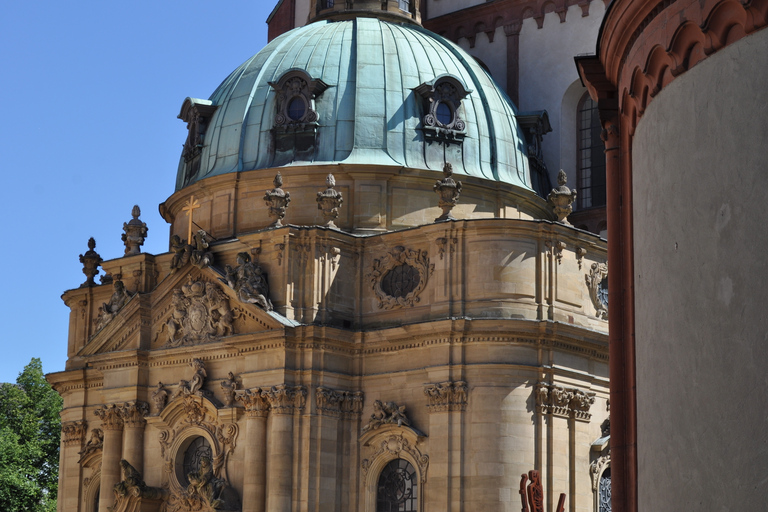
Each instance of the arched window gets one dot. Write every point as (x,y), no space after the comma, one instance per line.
(397,486)
(590,180)
(197,449)
(604,492)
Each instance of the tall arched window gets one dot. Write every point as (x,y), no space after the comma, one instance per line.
(397,486)
(604,491)
(590,176)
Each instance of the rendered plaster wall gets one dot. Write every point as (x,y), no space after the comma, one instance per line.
(699,171)
(492,54)
(437,8)
(547,71)
(302,12)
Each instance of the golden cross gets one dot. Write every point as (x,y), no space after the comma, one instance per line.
(192,205)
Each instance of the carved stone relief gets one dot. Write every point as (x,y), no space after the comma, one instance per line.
(597,284)
(345,404)
(135,231)
(194,386)
(399,277)
(255,402)
(249,282)
(111,417)
(133,488)
(446,396)
(392,446)
(159,398)
(109,310)
(566,402)
(229,386)
(133,413)
(284,399)
(95,443)
(201,313)
(73,432)
(387,413)
(596,469)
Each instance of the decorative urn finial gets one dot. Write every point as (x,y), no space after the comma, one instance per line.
(135,233)
(91,261)
(561,198)
(448,190)
(329,201)
(277,200)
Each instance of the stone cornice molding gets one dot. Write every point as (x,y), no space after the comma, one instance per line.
(345,404)
(111,417)
(284,399)
(133,413)
(73,432)
(565,402)
(446,396)
(254,401)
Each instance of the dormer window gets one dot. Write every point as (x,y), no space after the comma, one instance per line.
(197,114)
(443,106)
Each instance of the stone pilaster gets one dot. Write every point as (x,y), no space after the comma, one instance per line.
(283,401)
(133,442)
(255,471)
(112,425)
(72,437)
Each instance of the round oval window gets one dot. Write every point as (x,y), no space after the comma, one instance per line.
(296,108)
(196,450)
(444,114)
(400,281)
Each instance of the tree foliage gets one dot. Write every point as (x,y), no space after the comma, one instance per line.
(29,442)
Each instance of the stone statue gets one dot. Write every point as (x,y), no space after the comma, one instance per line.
(561,198)
(205,485)
(229,385)
(91,261)
(135,233)
(249,282)
(448,190)
(131,478)
(95,443)
(201,257)
(329,201)
(385,413)
(193,386)
(277,200)
(181,253)
(221,314)
(108,310)
(160,397)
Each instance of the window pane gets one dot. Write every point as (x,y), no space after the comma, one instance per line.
(296,109)
(397,488)
(590,175)
(444,114)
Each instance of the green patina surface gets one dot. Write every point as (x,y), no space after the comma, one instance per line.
(370,115)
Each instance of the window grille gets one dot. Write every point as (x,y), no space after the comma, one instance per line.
(397,488)
(591,156)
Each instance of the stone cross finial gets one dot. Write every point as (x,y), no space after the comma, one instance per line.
(561,198)
(91,261)
(277,200)
(135,233)
(448,190)
(329,201)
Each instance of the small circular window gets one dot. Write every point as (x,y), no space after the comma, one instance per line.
(197,449)
(444,114)
(400,281)
(296,108)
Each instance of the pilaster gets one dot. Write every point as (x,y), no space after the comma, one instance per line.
(112,425)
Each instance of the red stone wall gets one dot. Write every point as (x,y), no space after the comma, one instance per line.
(282,19)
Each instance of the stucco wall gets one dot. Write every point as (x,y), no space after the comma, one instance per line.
(700,170)
(437,8)
(547,70)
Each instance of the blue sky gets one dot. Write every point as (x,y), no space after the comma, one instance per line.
(90,92)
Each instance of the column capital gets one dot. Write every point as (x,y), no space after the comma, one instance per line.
(284,399)
(331,402)
(110,416)
(73,432)
(133,413)
(514,28)
(446,396)
(255,402)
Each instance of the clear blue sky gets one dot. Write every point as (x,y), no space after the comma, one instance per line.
(90,92)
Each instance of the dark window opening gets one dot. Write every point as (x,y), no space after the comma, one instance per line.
(397,486)
(296,108)
(198,449)
(444,114)
(604,497)
(590,175)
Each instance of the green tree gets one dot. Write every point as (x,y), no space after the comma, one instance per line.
(30,427)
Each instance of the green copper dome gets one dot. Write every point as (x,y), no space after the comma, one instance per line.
(374,93)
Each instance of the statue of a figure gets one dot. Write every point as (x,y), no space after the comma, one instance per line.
(204,484)
(96,442)
(201,257)
(135,233)
(229,385)
(218,303)
(193,386)
(131,479)
(109,309)
(249,282)
(160,397)
(387,413)
(181,253)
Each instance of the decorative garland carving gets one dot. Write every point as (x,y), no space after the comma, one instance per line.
(446,396)
(566,402)
(345,404)
(598,292)
(393,446)
(400,256)
(73,432)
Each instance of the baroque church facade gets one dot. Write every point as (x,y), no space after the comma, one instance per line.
(374,297)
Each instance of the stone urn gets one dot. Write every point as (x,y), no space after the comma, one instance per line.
(448,190)
(561,198)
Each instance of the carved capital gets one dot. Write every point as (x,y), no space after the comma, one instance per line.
(73,432)
(345,404)
(446,396)
(111,417)
(133,414)
(513,29)
(255,402)
(285,399)
(565,402)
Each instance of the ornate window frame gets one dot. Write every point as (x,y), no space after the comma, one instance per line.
(197,114)
(297,84)
(597,470)
(385,444)
(399,255)
(445,90)
(91,486)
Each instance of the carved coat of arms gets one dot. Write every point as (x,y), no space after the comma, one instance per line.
(201,313)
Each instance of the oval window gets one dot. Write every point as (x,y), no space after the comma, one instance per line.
(444,114)
(296,108)
(197,449)
(400,281)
